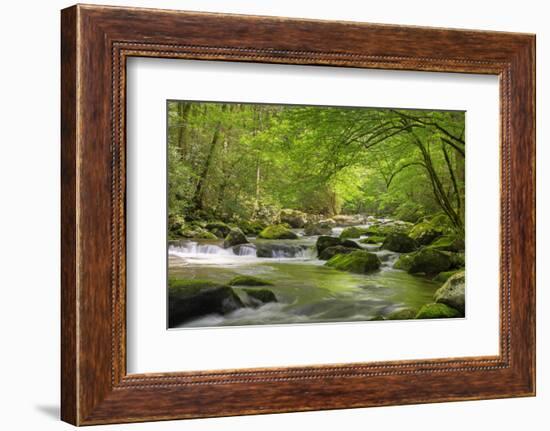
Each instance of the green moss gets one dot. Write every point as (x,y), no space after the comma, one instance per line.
(247,280)
(358,261)
(190,286)
(403,314)
(442,277)
(437,311)
(425,260)
(352,232)
(454,243)
(277,231)
(330,252)
(404,262)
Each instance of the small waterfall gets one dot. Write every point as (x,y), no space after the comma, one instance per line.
(245,250)
(387,258)
(210,254)
(192,248)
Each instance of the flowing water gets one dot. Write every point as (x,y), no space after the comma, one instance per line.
(306,290)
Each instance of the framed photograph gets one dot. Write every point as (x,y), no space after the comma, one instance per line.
(267,215)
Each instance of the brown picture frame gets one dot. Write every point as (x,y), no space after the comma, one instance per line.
(95,43)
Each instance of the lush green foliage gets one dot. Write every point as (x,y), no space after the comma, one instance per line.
(242,162)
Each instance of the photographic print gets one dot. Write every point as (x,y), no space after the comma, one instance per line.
(291,214)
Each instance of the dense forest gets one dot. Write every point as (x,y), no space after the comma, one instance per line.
(235,162)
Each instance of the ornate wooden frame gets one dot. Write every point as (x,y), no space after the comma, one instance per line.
(95,42)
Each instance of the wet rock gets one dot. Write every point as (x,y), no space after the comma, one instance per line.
(195,298)
(350,244)
(260,296)
(279,250)
(399,243)
(235,237)
(326,241)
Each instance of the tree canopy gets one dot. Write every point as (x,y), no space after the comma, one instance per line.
(232,161)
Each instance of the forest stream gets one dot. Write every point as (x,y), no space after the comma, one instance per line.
(307,291)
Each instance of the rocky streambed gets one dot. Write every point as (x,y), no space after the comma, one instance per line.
(368,269)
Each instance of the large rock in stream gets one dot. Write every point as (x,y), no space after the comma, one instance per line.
(188,299)
(330,252)
(453,292)
(399,243)
(277,231)
(320,228)
(437,311)
(280,250)
(324,242)
(220,229)
(358,261)
(235,237)
(425,260)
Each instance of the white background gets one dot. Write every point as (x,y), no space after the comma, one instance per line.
(151,348)
(29,227)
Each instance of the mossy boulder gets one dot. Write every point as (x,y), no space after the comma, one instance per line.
(425,260)
(452,293)
(220,229)
(437,311)
(330,252)
(197,233)
(294,218)
(248,280)
(453,243)
(234,237)
(326,241)
(430,229)
(314,229)
(399,243)
(403,314)
(175,225)
(358,261)
(385,229)
(372,239)
(442,277)
(260,296)
(277,231)
(188,299)
(252,227)
(350,244)
(352,232)
(458,260)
